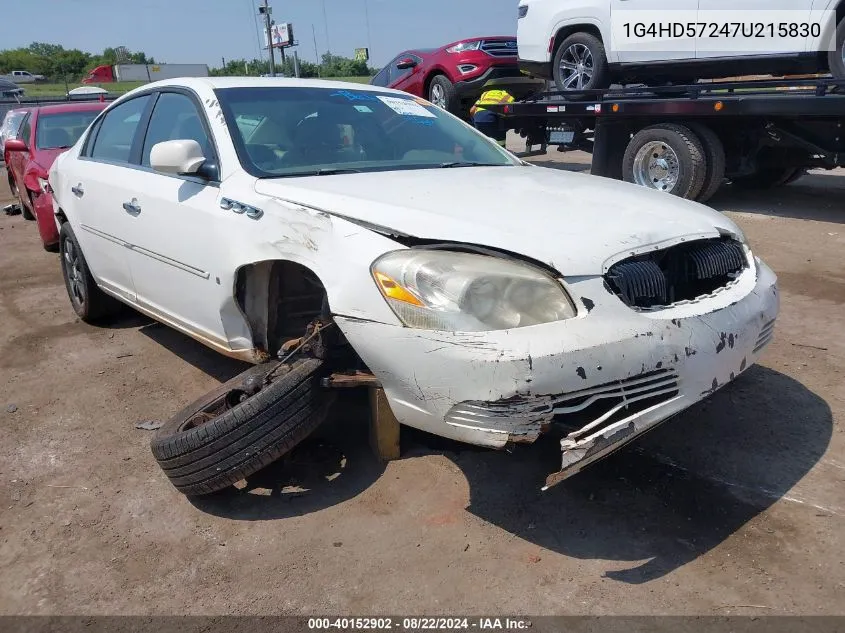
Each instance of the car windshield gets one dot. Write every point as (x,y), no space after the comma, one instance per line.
(60,130)
(281,132)
(11,124)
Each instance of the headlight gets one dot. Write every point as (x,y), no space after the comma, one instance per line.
(464,46)
(464,292)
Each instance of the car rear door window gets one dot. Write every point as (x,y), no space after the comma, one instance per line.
(175,117)
(26,129)
(117,131)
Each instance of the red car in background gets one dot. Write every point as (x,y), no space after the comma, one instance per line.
(454,75)
(46,132)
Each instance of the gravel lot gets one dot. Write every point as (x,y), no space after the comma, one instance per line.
(737,507)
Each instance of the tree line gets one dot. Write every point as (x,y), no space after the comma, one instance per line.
(59,64)
(329,66)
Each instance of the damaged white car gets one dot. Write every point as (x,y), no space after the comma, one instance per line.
(365,233)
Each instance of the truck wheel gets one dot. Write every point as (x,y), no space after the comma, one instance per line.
(714,152)
(441,93)
(580,63)
(88,301)
(836,57)
(666,157)
(241,426)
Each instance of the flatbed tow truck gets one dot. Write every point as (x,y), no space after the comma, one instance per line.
(688,140)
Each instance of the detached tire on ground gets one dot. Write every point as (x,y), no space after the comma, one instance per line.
(666,157)
(227,435)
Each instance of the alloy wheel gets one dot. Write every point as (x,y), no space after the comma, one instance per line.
(73,270)
(576,67)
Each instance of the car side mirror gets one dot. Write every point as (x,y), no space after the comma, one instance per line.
(181,157)
(15,145)
(406,63)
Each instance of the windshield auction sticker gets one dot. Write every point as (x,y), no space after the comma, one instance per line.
(406,107)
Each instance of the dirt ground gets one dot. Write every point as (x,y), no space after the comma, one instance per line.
(736,507)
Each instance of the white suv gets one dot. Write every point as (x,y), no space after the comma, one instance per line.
(577,43)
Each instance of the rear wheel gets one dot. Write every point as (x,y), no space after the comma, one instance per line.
(241,427)
(668,158)
(88,301)
(836,57)
(714,152)
(580,63)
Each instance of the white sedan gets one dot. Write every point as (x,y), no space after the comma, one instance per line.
(493,301)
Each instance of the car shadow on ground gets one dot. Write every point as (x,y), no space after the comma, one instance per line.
(331,466)
(816,196)
(672,496)
(203,358)
(658,504)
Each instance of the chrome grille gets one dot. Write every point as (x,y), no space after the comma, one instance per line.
(590,409)
(765,337)
(599,406)
(499,48)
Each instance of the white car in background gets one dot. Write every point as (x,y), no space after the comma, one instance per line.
(10,127)
(571,42)
(370,231)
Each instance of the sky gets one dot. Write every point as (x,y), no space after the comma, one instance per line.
(205,31)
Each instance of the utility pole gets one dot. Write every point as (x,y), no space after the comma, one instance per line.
(316,52)
(268,25)
(326,20)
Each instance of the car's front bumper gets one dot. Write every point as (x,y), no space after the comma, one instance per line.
(608,375)
(472,88)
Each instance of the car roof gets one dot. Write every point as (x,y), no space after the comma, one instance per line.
(260,82)
(85,106)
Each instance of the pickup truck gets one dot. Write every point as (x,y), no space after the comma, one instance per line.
(23,77)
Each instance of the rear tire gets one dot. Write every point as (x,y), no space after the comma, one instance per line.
(88,301)
(836,58)
(239,434)
(580,55)
(666,157)
(441,92)
(714,152)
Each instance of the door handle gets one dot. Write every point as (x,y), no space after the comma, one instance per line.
(78,191)
(132,207)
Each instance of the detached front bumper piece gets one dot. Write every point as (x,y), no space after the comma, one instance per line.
(606,377)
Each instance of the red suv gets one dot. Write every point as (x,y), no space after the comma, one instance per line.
(453,76)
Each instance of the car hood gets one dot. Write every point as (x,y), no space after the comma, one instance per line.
(575,223)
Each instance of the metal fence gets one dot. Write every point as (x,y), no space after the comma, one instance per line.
(7,104)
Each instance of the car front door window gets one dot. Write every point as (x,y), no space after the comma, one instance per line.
(175,117)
